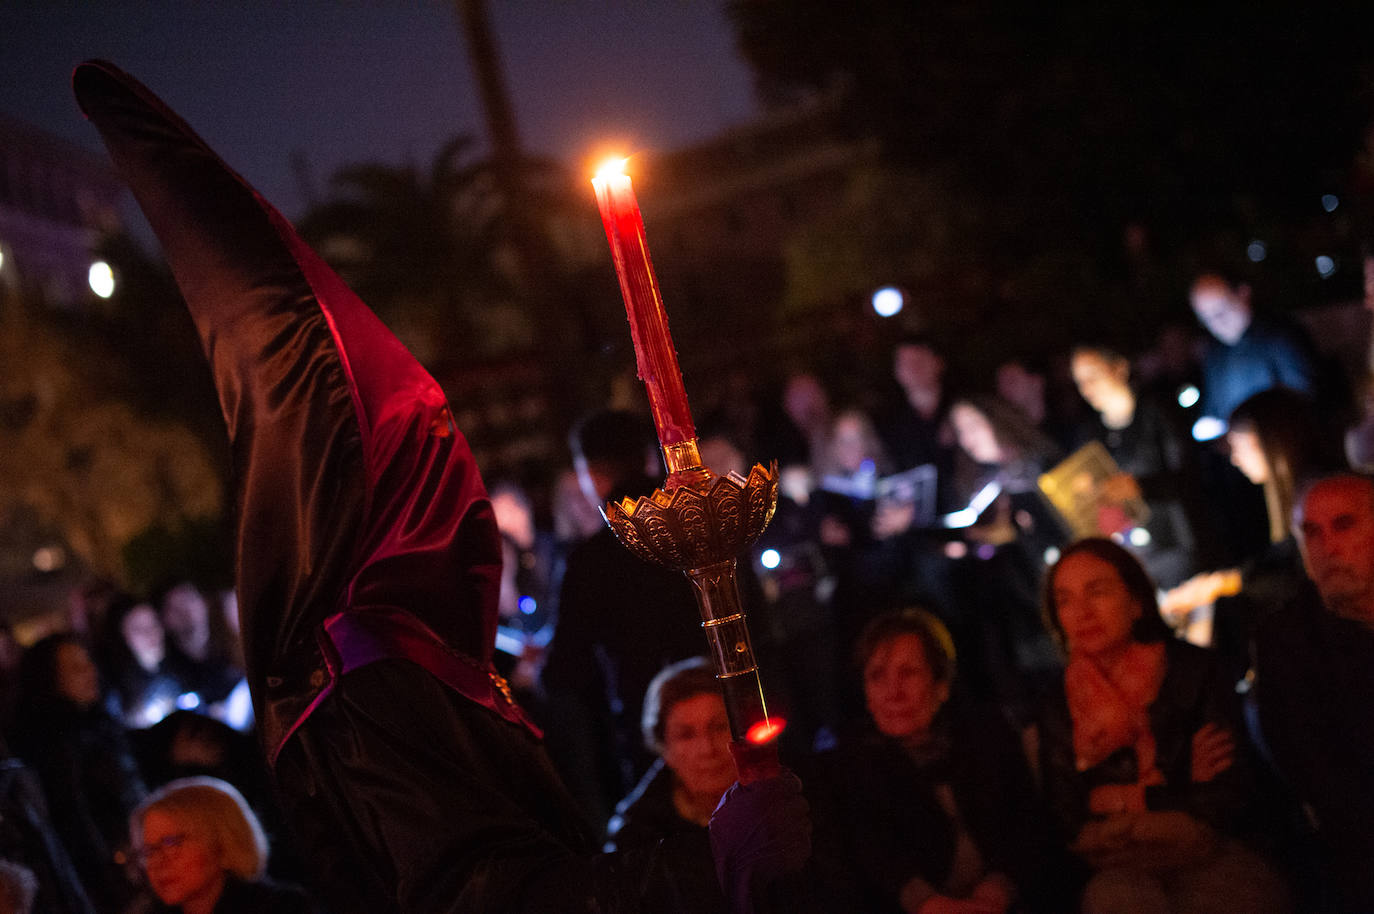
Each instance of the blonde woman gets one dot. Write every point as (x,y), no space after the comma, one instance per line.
(204,852)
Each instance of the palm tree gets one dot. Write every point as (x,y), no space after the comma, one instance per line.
(422,249)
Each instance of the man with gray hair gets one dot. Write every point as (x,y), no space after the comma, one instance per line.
(1315,665)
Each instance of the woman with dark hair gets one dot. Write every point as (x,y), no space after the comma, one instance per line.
(198,644)
(684,721)
(1138,755)
(1277,440)
(933,809)
(864,538)
(1011,658)
(145,688)
(81,755)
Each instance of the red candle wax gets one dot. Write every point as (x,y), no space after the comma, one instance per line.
(654,354)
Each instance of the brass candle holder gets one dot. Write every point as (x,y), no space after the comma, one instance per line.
(699,523)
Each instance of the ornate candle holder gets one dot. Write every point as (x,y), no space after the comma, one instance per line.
(699,523)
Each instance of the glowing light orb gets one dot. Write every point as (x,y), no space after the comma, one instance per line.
(1208,428)
(770,559)
(101,279)
(1188,396)
(1325,265)
(49,558)
(888,301)
(528,605)
(765,730)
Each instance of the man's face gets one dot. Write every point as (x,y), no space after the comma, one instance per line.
(1100,383)
(1335,526)
(1224,311)
(918,367)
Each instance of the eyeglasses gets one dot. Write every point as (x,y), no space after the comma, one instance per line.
(148,851)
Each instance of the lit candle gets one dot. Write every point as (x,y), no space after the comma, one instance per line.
(654,354)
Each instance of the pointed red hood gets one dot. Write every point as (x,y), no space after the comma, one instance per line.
(353,487)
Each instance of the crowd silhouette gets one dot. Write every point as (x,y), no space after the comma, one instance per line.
(998,699)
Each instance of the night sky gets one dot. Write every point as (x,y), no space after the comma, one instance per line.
(344,82)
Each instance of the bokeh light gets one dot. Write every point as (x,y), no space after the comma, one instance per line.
(101,279)
(888,301)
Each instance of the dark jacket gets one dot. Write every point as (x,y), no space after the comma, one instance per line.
(27,837)
(620,621)
(647,819)
(1313,688)
(242,897)
(1156,451)
(879,821)
(92,783)
(1197,690)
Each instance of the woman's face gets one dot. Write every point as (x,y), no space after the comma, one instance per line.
(182,864)
(143,633)
(900,688)
(186,617)
(1095,608)
(1247,455)
(77,679)
(850,443)
(696,745)
(975,434)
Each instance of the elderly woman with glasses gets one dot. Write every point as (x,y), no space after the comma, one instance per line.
(205,852)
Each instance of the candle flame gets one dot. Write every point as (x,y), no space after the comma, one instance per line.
(611,168)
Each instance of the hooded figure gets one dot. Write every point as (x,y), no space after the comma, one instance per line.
(368,572)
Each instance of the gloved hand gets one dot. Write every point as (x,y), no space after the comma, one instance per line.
(759,832)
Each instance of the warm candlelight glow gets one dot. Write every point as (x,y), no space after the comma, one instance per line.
(655,357)
(611,168)
(765,730)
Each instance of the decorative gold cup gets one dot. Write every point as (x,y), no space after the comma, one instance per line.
(699,524)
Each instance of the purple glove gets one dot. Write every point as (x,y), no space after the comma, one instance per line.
(759,832)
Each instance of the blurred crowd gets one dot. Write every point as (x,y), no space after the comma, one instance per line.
(1082,636)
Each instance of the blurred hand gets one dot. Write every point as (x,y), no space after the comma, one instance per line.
(1120,487)
(1102,839)
(759,833)
(1214,751)
(525,676)
(1171,837)
(999,530)
(1199,590)
(943,904)
(997,890)
(1147,840)
(892,518)
(833,532)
